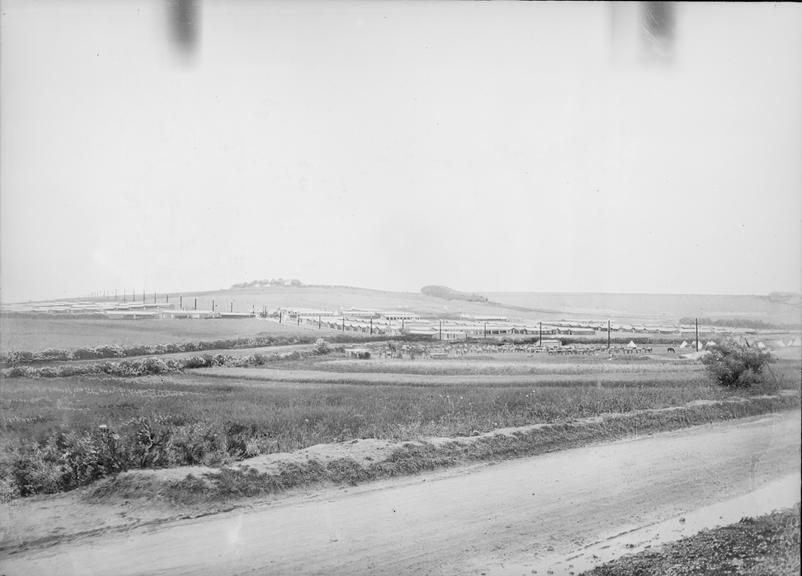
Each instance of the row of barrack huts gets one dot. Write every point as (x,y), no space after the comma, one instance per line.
(368,321)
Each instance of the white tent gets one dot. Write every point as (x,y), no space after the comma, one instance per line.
(684,344)
(710,343)
(632,344)
(761,345)
(779,343)
(797,342)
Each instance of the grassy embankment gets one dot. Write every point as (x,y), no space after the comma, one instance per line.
(767,545)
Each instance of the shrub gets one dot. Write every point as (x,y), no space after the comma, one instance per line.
(83,353)
(36,472)
(735,365)
(149,445)
(155,366)
(321,347)
(90,456)
(197,444)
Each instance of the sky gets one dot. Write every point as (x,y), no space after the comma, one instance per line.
(484,146)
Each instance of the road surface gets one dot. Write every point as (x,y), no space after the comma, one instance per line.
(490,519)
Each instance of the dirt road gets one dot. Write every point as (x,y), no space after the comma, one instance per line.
(495,519)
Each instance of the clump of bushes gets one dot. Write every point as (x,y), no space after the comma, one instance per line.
(64,461)
(736,365)
(321,347)
(67,460)
(148,366)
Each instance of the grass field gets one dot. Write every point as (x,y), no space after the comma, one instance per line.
(41,333)
(64,432)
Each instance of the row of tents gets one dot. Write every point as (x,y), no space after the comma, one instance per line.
(791,342)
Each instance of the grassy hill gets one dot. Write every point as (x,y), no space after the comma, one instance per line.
(19,333)
(656,307)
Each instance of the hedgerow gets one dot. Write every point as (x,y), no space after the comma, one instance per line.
(13,358)
(147,366)
(17,358)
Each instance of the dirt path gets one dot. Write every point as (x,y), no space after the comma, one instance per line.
(503,518)
(273,375)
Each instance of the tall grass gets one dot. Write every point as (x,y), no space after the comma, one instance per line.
(58,434)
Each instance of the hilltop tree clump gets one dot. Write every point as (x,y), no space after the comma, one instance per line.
(735,365)
(450,294)
(267,283)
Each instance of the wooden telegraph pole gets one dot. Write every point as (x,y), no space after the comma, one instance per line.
(540,334)
(608,334)
(371,326)
(697,334)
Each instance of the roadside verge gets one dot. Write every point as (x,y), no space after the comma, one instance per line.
(369,459)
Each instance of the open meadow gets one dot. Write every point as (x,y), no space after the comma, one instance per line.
(47,332)
(59,433)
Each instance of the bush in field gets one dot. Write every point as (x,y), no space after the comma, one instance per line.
(155,366)
(18,371)
(68,460)
(89,456)
(36,472)
(735,365)
(149,445)
(83,354)
(321,347)
(18,357)
(53,354)
(199,443)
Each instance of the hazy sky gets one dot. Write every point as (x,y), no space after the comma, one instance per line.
(485,146)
